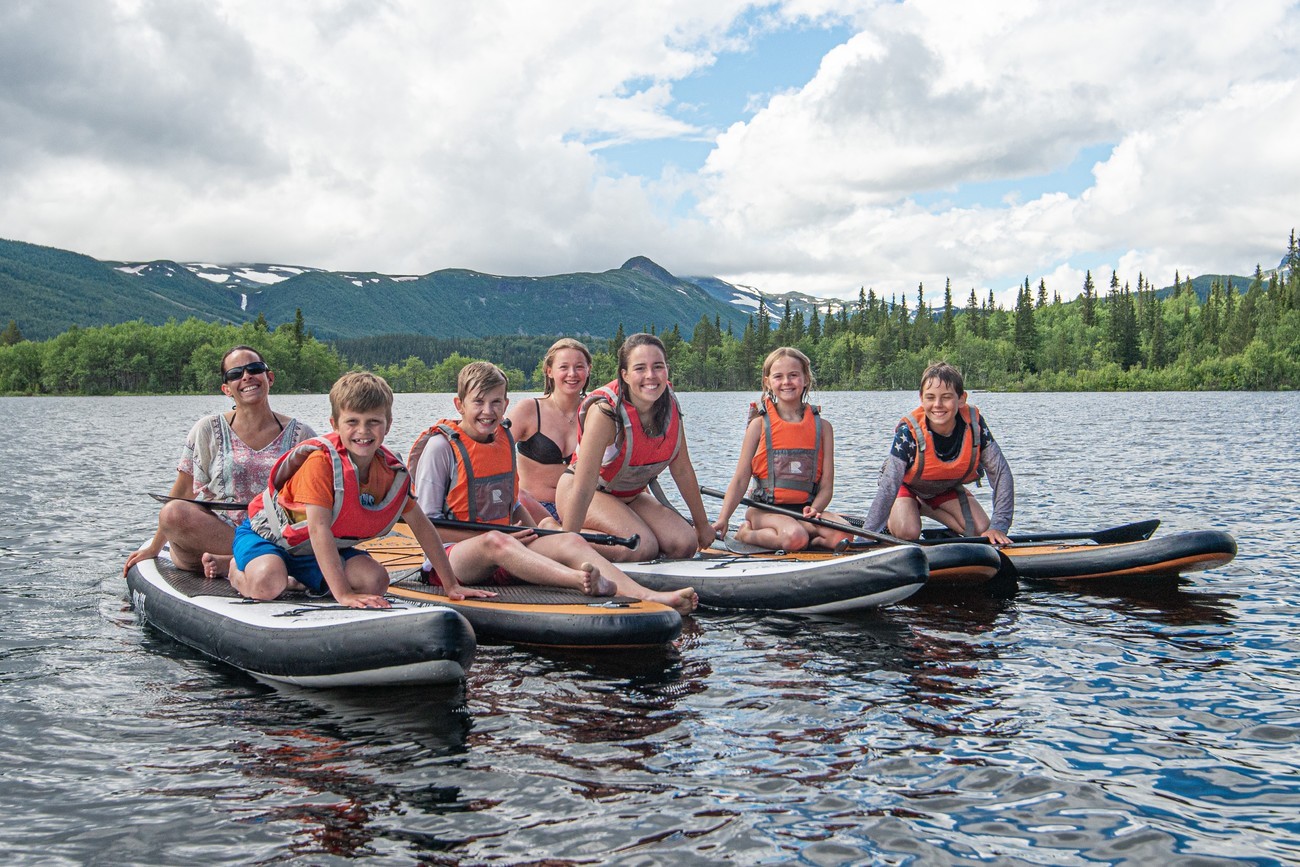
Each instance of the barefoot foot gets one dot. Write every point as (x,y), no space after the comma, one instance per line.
(683,601)
(216,565)
(594,583)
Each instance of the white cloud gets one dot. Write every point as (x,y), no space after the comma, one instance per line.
(930,95)
(406,136)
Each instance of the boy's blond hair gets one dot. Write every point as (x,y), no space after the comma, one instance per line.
(360,391)
(478,376)
(946,374)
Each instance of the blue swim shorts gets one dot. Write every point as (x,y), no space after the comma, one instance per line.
(248,546)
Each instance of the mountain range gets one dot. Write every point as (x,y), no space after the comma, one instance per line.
(47,290)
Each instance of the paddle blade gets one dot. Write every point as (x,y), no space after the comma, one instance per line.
(1135,532)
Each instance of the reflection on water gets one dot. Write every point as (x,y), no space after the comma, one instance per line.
(1001,724)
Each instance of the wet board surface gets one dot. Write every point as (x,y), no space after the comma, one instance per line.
(527,613)
(801,582)
(299,639)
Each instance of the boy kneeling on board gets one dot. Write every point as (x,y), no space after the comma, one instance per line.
(938,448)
(464,470)
(327,495)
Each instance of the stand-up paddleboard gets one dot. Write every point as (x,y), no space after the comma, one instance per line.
(1163,557)
(800,583)
(959,564)
(1125,552)
(527,613)
(296,639)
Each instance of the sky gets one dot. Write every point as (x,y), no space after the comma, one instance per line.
(821,146)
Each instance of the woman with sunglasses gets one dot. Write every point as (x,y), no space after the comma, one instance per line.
(227,457)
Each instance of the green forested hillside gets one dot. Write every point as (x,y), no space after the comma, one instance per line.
(47,291)
(459,303)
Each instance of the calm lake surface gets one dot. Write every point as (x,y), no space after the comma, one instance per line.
(1029,725)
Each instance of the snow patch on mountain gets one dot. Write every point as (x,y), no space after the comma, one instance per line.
(252,278)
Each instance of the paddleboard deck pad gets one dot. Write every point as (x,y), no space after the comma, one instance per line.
(301,640)
(531,614)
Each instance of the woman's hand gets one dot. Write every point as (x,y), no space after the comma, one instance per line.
(147,551)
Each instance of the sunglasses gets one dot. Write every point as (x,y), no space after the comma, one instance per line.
(235,374)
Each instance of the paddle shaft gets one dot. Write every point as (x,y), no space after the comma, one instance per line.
(819,522)
(594,538)
(1134,532)
(218,505)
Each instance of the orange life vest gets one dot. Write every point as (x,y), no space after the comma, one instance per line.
(484,485)
(635,459)
(929,475)
(351,521)
(787,465)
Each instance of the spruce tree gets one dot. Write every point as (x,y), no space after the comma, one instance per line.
(11,335)
(1158,351)
(1129,345)
(1026,338)
(764,328)
(902,320)
(948,323)
(921,322)
(974,321)
(1228,321)
(1088,306)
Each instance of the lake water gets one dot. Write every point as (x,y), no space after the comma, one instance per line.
(1027,726)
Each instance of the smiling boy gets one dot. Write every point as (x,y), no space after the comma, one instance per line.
(938,448)
(328,495)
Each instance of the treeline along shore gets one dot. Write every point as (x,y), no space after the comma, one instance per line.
(1123,338)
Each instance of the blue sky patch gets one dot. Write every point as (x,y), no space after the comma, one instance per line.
(1071,180)
(730,90)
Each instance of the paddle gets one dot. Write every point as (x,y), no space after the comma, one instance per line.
(820,522)
(218,505)
(1135,532)
(594,538)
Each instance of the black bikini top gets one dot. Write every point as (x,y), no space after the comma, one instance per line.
(541,448)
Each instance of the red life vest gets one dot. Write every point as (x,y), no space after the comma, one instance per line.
(484,485)
(928,475)
(787,465)
(351,521)
(635,458)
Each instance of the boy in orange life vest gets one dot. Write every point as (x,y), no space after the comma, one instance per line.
(465,470)
(789,454)
(939,447)
(299,533)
